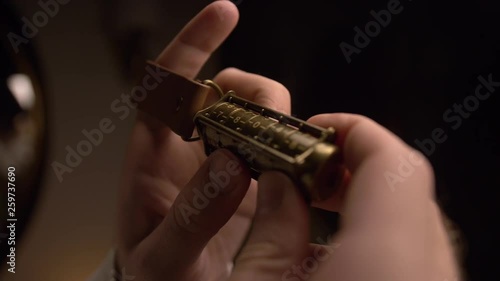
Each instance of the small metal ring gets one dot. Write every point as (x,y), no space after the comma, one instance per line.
(219,91)
(214,86)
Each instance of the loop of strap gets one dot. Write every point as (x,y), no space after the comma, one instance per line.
(174,100)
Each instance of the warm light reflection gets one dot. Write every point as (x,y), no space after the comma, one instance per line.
(21,87)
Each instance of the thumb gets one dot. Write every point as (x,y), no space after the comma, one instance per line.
(280,234)
(203,206)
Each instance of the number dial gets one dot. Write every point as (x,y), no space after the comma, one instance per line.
(268,140)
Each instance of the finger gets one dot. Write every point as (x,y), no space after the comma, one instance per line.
(391,183)
(334,202)
(279,236)
(359,136)
(192,47)
(256,88)
(199,211)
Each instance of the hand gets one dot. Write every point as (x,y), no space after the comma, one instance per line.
(166,231)
(391,230)
(391,227)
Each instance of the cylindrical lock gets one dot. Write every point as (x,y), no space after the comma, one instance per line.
(268,140)
(265,139)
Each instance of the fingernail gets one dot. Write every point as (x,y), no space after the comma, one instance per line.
(223,167)
(271,192)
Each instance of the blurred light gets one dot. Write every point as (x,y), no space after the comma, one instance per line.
(21,87)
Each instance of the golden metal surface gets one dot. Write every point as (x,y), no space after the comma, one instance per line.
(268,140)
(265,139)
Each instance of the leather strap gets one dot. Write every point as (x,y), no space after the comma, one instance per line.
(175,100)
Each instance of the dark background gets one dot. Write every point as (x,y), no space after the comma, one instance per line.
(427,59)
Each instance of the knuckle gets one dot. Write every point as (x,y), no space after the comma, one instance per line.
(367,121)
(275,95)
(420,161)
(425,167)
(281,88)
(227,73)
